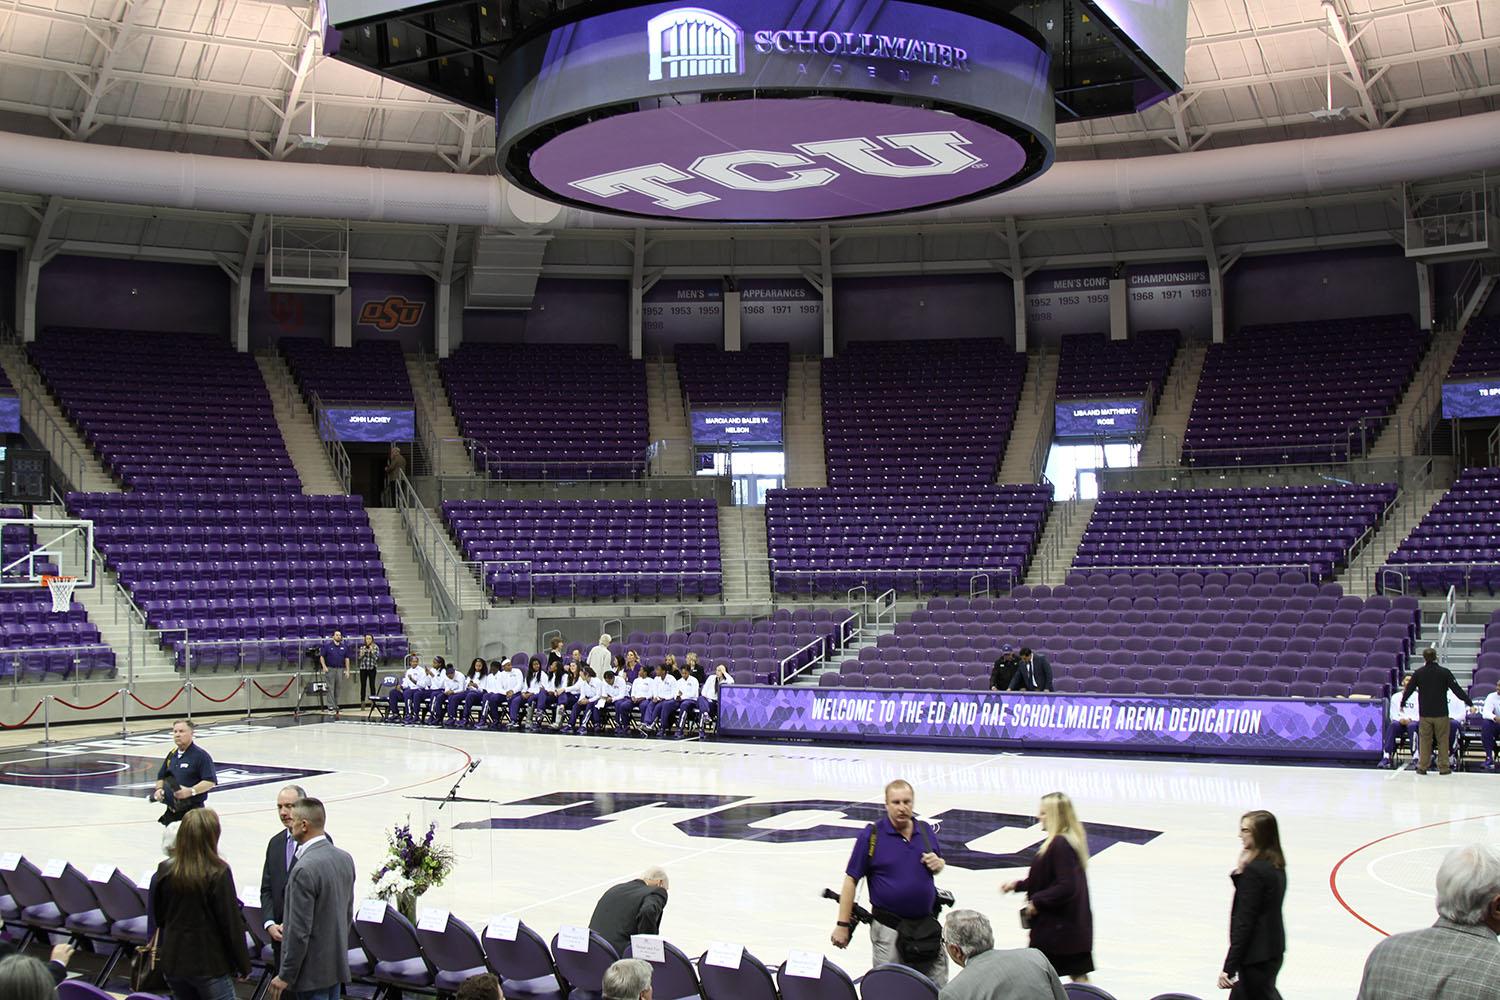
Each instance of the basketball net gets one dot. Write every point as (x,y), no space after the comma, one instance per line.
(61,588)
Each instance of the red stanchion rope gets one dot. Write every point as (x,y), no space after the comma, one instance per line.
(275,694)
(87,708)
(231,694)
(37,708)
(157,708)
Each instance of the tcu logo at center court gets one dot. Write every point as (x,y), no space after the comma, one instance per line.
(942,154)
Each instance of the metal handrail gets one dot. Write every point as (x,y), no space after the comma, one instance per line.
(1447,622)
(1395,576)
(443,569)
(338,455)
(885,606)
(821,643)
(32,393)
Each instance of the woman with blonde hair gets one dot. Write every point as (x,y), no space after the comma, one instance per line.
(200,945)
(1057,891)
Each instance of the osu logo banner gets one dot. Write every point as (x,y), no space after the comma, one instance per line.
(391,313)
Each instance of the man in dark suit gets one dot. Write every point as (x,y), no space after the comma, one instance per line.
(315,919)
(1033,674)
(633,907)
(279,853)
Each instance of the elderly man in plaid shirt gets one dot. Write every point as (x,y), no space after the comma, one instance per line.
(1456,958)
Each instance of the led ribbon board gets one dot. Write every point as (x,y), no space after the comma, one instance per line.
(758,110)
(1478,398)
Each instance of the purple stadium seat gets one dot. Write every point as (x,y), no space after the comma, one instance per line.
(750,981)
(896,982)
(834,984)
(455,952)
(397,954)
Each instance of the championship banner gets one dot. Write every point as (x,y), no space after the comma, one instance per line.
(366,424)
(1480,398)
(1257,727)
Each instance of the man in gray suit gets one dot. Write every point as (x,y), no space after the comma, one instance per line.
(1019,974)
(316,912)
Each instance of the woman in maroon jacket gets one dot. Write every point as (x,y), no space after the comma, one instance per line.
(1057,892)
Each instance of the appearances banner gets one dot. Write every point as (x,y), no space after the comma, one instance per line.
(10,415)
(736,427)
(1480,398)
(370,424)
(1333,728)
(1090,417)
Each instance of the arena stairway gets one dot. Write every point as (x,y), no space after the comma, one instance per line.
(63,442)
(297,428)
(1052,558)
(413,602)
(1032,416)
(742,542)
(1169,421)
(1360,576)
(432,400)
(667,420)
(802,430)
(1424,393)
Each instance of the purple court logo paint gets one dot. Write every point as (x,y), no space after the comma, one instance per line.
(128,775)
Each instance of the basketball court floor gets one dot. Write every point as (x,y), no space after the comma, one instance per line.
(751,833)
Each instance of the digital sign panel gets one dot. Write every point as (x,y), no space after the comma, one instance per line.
(369,424)
(762,110)
(737,427)
(1332,728)
(1093,417)
(1479,398)
(1157,30)
(10,415)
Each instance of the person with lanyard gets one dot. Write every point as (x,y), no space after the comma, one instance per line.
(333,660)
(899,855)
(367,658)
(185,777)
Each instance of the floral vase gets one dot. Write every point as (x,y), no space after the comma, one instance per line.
(406,905)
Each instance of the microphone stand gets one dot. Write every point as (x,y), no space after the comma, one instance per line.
(452,795)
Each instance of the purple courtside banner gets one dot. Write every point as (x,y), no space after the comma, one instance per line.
(1281,727)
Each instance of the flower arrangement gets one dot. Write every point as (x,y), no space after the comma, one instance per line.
(411,866)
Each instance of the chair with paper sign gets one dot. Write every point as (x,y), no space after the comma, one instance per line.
(896,982)
(672,975)
(122,906)
(729,972)
(520,956)
(798,980)
(582,956)
(392,942)
(37,910)
(452,947)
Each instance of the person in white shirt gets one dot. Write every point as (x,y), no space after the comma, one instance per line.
(1403,720)
(640,697)
(406,689)
(449,687)
(663,699)
(494,692)
(599,658)
(529,693)
(685,704)
(430,695)
(1489,725)
(585,714)
(613,688)
(461,706)
(567,692)
(708,698)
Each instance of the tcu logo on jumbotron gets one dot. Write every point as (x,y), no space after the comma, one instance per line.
(391,313)
(690,42)
(769,171)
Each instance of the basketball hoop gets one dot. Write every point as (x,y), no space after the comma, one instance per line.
(61,588)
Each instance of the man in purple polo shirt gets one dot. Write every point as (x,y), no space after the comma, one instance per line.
(899,855)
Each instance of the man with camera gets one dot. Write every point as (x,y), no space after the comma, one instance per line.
(899,855)
(185,777)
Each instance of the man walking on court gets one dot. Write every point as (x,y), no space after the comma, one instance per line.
(315,922)
(1431,683)
(899,854)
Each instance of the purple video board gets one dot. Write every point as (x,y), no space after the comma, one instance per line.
(1480,398)
(1333,728)
(1093,417)
(10,415)
(737,427)
(867,109)
(369,424)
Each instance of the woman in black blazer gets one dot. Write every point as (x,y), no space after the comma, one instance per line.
(201,933)
(1057,890)
(1257,939)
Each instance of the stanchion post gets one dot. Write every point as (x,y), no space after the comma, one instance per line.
(188,686)
(124,712)
(249,696)
(46,719)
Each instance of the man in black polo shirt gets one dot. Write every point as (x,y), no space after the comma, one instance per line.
(899,854)
(1431,683)
(186,776)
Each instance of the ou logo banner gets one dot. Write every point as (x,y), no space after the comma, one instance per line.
(940,154)
(749,821)
(391,313)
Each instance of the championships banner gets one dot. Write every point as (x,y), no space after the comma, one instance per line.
(370,424)
(1333,728)
(10,415)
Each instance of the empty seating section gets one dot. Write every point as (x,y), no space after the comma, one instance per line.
(168,411)
(27,621)
(934,412)
(372,371)
(1487,666)
(245,571)
(562,550)
(752,650)
(1458,543)
(550,411)
(1300,392)
(755,376)
(1091,366)
(830,540)
(1308,528)
(1211,634)
(1479,354)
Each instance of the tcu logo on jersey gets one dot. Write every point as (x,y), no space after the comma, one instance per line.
(766,171)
